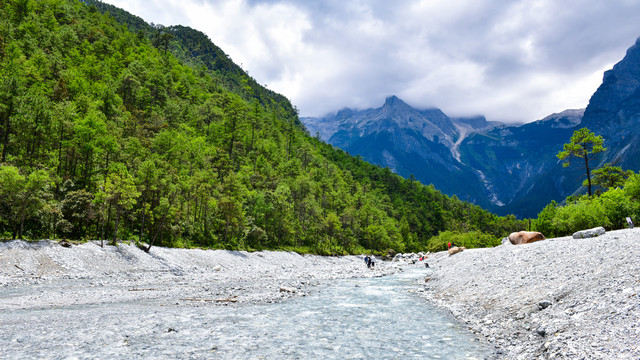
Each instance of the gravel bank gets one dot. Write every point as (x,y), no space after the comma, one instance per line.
(554,299)
(44,274)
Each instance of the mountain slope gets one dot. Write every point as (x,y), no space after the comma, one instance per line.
(518,163)
(488,163)
(414,142)
(193,47)
(105,134)
(614,111)
(507,169)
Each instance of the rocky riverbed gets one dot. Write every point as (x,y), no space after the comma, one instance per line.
(120,302)
(560,298)
(557,298)
(44,274)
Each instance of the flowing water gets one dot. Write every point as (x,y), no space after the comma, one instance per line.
(376,318)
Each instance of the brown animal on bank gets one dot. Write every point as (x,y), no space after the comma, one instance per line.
(525,237)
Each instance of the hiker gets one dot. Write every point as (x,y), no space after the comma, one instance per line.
(373,261)
(367,261)
(448,246)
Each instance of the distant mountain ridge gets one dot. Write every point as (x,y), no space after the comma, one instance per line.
(504,168)
(466,157)
(409,141)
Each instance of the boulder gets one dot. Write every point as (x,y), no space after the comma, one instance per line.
(543,305)
(525,237)
(65,243)
(589,233)
(455,250)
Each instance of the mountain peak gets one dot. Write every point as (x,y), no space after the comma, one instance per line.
(394,101)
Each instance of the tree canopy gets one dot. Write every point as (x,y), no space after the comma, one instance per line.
(584,145)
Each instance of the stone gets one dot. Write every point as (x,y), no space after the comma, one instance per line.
(525,237)
(544,304)
(456,249)
(287,289)
(589,233)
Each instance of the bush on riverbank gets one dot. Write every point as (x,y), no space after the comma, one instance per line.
(473,239)
(609,210)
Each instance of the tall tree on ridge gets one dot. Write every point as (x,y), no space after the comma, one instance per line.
(584,145)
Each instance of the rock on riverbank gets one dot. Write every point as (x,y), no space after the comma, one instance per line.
(558,298)
(44,274)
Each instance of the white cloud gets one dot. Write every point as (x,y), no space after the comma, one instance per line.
(511,61)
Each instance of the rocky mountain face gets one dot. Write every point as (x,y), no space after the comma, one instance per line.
(518,166)
(614,111)
(488,163)
(409,141)
(508,169)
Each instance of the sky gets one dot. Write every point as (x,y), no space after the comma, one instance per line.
(510,60)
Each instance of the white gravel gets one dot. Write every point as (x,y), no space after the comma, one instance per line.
(560,298)
(44,274)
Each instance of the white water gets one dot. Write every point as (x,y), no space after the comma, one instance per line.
(375,318)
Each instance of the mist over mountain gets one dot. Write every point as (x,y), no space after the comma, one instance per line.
(504,168)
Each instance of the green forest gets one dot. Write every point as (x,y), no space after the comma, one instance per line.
(153,135)
(116,130)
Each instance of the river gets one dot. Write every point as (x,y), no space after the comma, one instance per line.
(374,318)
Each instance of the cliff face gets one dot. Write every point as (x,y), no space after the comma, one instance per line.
(614,111)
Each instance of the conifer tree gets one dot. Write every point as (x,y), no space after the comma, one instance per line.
(584,145)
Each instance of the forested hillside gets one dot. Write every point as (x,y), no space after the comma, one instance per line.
(194,48)
(154,135)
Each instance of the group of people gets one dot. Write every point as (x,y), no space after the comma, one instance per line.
(370,261)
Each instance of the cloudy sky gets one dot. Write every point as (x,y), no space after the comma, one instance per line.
(513,61)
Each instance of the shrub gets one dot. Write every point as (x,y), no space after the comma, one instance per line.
(544,222)
(585,213)
(617,206)
(472,239)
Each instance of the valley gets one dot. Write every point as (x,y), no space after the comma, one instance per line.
(507,169)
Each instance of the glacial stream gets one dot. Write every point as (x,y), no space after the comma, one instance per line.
(377,318)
